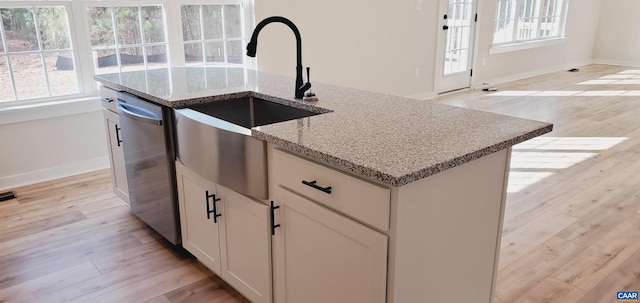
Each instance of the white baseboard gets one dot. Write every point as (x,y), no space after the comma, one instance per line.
(533,73)
(616,62)
(48,174)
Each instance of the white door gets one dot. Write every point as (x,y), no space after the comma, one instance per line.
(455,44)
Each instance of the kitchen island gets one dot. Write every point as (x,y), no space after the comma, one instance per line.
(418,188)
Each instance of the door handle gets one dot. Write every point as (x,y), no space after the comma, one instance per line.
(445,27)
(139,114)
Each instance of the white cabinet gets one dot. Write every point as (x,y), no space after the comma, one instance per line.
(116,154)
(320,255)
(227,232)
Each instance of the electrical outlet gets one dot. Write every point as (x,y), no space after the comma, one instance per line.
(417,72)
(484,61)
(418,4)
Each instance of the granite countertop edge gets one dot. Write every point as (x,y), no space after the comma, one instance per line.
(397,181)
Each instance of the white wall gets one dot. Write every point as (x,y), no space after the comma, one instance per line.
(371,45)
(376,45)
(617,40)
(49,148)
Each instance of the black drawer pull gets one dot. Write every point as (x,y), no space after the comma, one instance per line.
(273,218)
(313,184)
(215,209)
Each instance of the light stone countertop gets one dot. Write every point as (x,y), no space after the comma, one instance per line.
(391,139)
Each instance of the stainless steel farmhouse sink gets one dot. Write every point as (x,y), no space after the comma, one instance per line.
(214,140)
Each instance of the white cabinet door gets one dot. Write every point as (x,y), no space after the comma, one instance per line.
(245,245)
(321,256)
(199,231)
(116,154)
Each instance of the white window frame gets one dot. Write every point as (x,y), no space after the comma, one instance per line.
(73,49)
(537,41)
(118,46)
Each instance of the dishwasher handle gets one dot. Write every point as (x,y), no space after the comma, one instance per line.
(139,114)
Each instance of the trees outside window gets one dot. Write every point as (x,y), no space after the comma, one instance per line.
(36,53)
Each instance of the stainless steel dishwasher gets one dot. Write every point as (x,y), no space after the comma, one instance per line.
(149,157)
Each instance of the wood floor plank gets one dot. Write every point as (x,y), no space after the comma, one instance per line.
(27,228)
(519,277)
(41,288)
(552,291)
(209,290)
(149,288)
(601,258)
(526,238)
(625,278)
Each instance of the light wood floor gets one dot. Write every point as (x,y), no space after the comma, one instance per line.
(571,231)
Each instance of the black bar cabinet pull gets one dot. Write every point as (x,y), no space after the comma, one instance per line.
(209,211)
(273,219)
(118,134)
(215,209)
(313,184)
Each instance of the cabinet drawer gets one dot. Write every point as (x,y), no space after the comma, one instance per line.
(354,197)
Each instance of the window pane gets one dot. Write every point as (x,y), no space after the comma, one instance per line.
(6,90)
(54,30)
(232,21)
(153,24)
(61,73)
(105,61)
(1,44)
(19,29)
(28,76)
(193,53)
(212,20)
(128,26)
(156,56)
(214,51)
(235,52)
(100,26)
(131,58)
(191,22)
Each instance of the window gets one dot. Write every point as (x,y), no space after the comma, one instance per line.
(528,20)
(51,49)
(36,53)
(125,38)
(213,34)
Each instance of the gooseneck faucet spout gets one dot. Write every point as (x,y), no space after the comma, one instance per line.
(253,43)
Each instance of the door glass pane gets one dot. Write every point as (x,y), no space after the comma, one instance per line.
(6,90)
(212,19)
(191,22)
(20,29)
(61,73)
(153,24)
(54,30)
(28,76)
(233,21)
(100,26)
(459,21)
(128,26)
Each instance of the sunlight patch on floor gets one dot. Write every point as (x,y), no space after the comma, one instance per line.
(542,157)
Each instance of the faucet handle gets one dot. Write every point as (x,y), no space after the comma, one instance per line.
(308,72)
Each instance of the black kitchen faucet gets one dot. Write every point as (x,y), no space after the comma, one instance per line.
(251,50)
